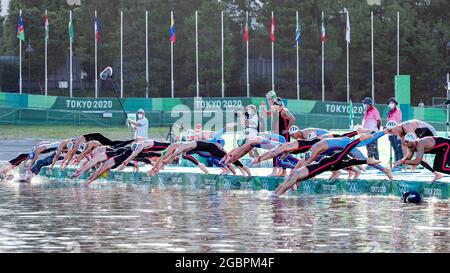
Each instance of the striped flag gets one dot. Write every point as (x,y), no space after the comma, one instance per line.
(246,31)
(347,27)
(298,33)
(46,27)
(324,37)
(96,28)
(172,29)
(272,30)
(20,32)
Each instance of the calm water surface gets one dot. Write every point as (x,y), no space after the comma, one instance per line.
(64,217)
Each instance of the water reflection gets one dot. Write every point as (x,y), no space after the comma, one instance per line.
(63,217)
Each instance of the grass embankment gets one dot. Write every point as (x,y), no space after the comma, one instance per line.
(44,132)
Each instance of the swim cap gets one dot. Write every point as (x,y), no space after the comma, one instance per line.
(271,94)
(32,154)
(242,138)
(391,124)
(70,146)
(294,129)
(312,135)
(82,147)
(135,146)
(190,133)
(278,101)
(410,137)
(221,142)
(411,197)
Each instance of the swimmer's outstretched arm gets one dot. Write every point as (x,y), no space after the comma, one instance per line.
(245,149)
(133,155)
(274,152)
(56,157)
(291,179)
(104,168)
(408,156)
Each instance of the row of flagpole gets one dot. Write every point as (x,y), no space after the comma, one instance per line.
(172,34)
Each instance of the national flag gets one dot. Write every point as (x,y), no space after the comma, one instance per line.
(298,33)
(71,31)
(96,28)
(246,32)
(20,32)
(347,27)
(324,38)
(46,27)
(172,29)
(272,30)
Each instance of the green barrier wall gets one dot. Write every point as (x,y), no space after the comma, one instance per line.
(310,187)
(47,110)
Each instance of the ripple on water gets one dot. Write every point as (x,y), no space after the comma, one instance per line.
(113,218)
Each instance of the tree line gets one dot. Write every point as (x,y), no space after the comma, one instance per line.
(424,45)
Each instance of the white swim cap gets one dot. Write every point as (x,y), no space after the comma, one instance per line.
(243,138)
(294,129)
(70,146)
(134,146)
(391,124)
(190,133)
(82,147)
(410,137)
(311,135)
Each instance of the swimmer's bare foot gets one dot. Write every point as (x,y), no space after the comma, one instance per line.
(373,161)
(437,176)
(350,174)
(282,172)
(388,173)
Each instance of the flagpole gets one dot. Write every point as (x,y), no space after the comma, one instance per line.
(20,59)
(248,79)
(121,54)
(348,77)
(223,81)
(71,55)
(96,62)
(146,55)
(171,63)
(273,63)
(196,53)
(372,56)
(323,67)
(298,70)
(398,43)
(46,52)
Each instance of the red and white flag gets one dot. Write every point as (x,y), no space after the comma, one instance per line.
(324,37)
(272,30)
(347,27)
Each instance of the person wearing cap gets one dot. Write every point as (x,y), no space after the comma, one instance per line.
(140,126)
(372,122)
(394,118)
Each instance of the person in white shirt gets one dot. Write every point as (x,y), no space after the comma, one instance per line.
(140,127)
(250,120)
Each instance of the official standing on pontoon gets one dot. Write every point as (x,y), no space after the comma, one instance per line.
(140,127)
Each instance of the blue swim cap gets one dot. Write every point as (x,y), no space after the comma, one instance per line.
(411,197)
(221,142)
